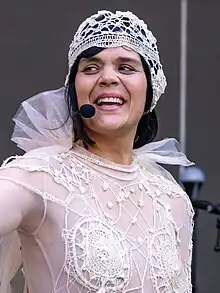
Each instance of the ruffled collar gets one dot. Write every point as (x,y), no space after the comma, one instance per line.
(43,121)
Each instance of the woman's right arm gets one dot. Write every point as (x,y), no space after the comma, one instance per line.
(21,207)
(16,201)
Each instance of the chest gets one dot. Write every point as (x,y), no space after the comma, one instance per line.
(119,234)
(111,231)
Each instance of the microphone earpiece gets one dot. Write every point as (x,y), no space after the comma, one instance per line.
(87,111)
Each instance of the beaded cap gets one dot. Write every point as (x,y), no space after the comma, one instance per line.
(106,29)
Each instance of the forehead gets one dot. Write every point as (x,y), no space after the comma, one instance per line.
(116,52)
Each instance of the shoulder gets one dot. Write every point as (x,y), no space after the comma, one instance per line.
(40,172)
(25,174)
(35,160)
(170,190)
(18,197)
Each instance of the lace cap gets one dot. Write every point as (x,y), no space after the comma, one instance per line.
(106,29)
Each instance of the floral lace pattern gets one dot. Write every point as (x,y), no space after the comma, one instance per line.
(97,255)
(120,234)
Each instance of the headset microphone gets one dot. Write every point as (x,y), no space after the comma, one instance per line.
(87,111)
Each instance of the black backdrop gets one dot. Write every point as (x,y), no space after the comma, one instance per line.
(34,42)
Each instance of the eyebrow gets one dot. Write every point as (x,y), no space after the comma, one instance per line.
(119,59)
(129,59)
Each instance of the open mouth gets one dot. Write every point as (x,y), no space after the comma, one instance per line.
(109,101)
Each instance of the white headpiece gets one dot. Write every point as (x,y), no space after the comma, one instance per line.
(106,29)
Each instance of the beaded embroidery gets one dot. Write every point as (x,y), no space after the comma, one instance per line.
(125,237)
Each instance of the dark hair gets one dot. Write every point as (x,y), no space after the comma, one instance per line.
(148,124)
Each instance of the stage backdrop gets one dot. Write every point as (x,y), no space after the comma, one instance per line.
(34,42)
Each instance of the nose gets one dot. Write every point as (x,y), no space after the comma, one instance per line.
(108,78)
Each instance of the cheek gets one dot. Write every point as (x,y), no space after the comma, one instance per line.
(139,92)
(83,88)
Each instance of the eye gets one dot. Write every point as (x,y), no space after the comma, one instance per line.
(91,69)
(126,68)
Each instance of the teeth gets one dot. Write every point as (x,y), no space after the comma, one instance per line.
(110,100)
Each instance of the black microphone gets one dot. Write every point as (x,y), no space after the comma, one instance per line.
(87,111)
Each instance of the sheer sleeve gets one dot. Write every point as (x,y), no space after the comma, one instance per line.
(182,214)
(16,203)
(10,219)
(17,199)
(185,234)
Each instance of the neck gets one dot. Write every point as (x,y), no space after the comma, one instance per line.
(118,150)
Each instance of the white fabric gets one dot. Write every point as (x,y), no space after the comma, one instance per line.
(153,250)
(10,260)
(100,210)
(43,120)
(38,121)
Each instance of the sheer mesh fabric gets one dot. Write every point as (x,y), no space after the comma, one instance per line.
(103,227)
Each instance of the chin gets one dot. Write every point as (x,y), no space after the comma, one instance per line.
(106,128)
(112,125)
(113,121)
(109,127)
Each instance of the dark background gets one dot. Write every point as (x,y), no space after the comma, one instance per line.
(34,40)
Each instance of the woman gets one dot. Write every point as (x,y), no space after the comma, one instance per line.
(88,203)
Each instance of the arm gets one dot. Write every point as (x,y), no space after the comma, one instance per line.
(186,232)
(183,215)
(20,207)
(16,201)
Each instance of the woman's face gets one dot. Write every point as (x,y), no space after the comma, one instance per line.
(114,82)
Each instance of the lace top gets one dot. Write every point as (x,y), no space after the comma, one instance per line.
(104,227)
